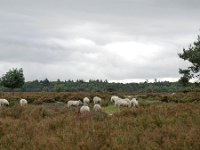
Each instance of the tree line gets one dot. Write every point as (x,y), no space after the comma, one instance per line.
(97,86)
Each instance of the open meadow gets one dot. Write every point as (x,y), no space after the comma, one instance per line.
(162,121)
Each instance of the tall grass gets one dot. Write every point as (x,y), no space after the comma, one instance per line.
(170,126)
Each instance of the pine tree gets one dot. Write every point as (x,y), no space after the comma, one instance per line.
(192,54)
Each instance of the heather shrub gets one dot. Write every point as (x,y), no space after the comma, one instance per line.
(162,126)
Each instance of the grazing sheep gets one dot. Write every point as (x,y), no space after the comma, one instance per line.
(97,107)
(96,99)
(129,96)
(134,102)
(123,103)
(86,100)
(128,100)
(23,102)
(173,94)
(125,99)
(84,109)
(74,103)
(4,102)
(114,98)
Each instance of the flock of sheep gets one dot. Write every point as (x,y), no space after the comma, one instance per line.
(126,102)
(118,102)
(84,105)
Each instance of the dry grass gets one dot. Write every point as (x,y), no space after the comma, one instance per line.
(51,97)
(168,126)
(145,99)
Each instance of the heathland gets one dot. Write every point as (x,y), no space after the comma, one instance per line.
(162,121)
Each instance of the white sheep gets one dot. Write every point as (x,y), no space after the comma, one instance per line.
(125,99)
(114,98)
(134,102)
(3,102)
(23,102)
(128,100)
(173,94)
(84,109)
(122,102)
(96,99)
(74,103)
(86,100)
(97,107)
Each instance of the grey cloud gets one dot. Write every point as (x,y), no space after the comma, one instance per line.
(41,50)
(60,38)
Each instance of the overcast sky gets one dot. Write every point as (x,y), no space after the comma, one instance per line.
(118,40)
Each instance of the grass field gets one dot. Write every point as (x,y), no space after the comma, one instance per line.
(50,125)
(110,109)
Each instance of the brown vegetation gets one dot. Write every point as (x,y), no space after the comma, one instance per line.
(51,97)
(166,126)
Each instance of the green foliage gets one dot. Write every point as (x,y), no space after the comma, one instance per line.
(45,82)
(102,86)
(192,54)
(13,78)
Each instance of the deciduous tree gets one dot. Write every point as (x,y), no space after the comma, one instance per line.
(14,78)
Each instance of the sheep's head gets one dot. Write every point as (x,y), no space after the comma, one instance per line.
(7,103)
(80,102)
(135,99)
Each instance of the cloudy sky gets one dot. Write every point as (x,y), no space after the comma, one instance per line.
(118,40)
